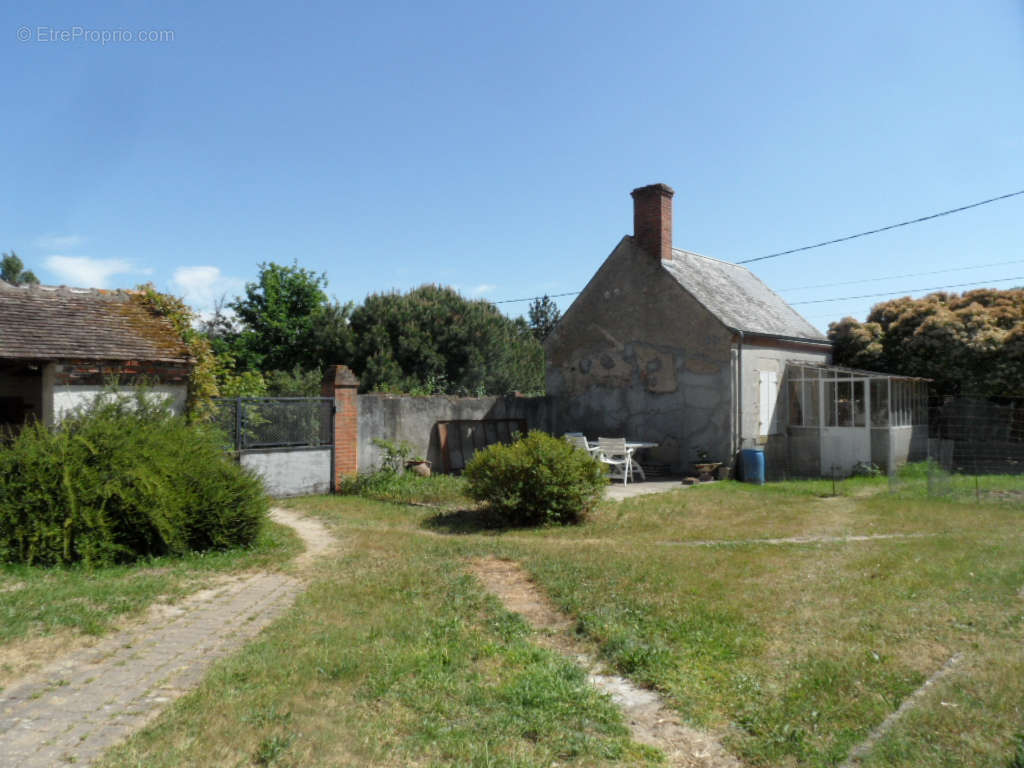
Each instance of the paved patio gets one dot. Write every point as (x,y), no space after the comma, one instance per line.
(619,492)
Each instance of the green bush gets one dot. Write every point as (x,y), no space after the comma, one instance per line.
(538,479)
(121,480)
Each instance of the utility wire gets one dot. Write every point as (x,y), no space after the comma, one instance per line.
(897,277)
(534,298)
(884,229)
(833,242)
(907,290)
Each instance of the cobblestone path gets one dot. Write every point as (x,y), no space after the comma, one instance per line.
(74,709)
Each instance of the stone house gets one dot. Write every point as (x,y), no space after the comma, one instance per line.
(59,347)
(672,347)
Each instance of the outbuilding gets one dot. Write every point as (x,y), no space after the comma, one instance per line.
(59,347)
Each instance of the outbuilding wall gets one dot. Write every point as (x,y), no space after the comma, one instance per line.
(636,356)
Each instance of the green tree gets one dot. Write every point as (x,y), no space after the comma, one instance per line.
(13,271)
(285,320)
(544,314)
(434,340)
(971,343)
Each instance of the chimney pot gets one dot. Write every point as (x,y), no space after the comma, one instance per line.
(652,219)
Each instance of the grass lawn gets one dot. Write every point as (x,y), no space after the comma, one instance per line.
(790,652)
(43,610)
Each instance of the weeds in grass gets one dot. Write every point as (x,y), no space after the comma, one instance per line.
(406,488)
(1017,759)
(271,748)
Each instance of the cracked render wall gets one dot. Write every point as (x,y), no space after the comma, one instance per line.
(637,356)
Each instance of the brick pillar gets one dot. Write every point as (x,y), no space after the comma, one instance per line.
(341,384)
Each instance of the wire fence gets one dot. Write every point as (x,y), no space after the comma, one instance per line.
(275,422)
(975,453)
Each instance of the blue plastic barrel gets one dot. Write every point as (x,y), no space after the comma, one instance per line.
(752,460)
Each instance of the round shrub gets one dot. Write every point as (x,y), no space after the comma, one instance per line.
(538,479)
(122,480)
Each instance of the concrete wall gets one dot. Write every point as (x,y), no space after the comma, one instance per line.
(64,398)
(637,356)
(414,420)
(291,472)
(803,446)
(881,449)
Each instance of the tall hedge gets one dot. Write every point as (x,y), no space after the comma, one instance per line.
(122,480)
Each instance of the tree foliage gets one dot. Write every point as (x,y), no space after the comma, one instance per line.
(970,343)
(285,320)
(433,340)
(13,271)
(544,314)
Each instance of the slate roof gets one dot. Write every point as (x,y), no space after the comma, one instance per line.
(736,297)
(45,323)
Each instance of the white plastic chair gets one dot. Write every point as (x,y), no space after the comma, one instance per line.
(578,440)
(613,452)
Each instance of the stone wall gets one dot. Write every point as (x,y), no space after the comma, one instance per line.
(636,356)
(414,419)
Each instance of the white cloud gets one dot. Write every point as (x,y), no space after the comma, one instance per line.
(480,290)
(201,287)
(84,272)
(59,242)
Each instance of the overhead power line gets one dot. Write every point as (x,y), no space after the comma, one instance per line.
(897,277)
(885,228)
(907,290)
(534,298)
(841,240)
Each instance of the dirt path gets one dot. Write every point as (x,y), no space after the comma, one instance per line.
(650,720)
(77,707)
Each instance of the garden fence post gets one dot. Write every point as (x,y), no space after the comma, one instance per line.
(238,423)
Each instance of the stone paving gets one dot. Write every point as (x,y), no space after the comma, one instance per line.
(79,706)
(618,492)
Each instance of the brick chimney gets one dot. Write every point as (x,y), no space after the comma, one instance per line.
(652,219)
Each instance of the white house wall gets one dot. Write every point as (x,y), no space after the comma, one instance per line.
(69,397)
(758,358)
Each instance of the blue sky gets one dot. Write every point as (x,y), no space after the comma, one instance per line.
(493,146)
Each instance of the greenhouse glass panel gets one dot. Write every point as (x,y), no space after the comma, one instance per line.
(810,401)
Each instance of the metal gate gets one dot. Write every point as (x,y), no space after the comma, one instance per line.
(288,441)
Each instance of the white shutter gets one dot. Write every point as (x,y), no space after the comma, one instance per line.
(768,394)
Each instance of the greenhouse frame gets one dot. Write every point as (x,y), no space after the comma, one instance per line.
(838,418)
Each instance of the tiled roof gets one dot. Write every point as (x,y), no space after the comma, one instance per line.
(737,297)
(45,323)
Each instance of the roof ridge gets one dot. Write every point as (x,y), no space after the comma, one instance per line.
(65,291)
(709,258)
